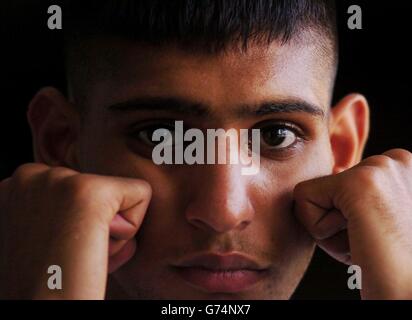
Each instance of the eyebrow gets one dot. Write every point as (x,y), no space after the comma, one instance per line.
(176,105)
(191,108)
(282,106)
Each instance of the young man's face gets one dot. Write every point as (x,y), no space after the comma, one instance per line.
(212,209)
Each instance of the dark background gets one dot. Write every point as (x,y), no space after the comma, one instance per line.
(375,61)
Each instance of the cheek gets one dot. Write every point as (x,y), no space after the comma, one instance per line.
(162,223)
(166,198)
(273,193)
(274,225)
(102,152)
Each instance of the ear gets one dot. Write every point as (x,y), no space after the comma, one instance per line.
(54,124)
(348,130)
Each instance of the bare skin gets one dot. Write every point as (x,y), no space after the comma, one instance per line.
(90,209)
(362,216)
(316,192)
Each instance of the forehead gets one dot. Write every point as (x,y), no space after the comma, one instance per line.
(232,77)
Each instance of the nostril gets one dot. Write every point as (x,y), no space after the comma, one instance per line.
(218,227)
(243,225)
(199,224)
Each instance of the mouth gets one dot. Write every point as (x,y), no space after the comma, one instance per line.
(217,273)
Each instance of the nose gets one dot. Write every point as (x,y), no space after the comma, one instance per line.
(220,203)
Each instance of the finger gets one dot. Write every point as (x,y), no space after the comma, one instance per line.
(314,200)
(319,192)
(115,246)
(128,196)
(122,229)
(316,209)
(123,256)
(337,247)
(330,224)
(401,155)
(321,223)
(27,171)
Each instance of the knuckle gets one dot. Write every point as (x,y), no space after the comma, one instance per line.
(57,173)
(85,193)
(400,154)
(22,180)
(63,171)
(368,177)
(382,160)
(144,188)
(81,188)
(24,170)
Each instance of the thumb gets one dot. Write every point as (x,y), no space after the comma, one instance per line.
(314,200)
(131,199)
(317,207)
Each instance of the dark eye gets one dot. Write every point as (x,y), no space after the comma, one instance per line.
(277,137)
(145,134)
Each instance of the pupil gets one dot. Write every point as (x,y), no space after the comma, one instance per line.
(274,137)
(151,130)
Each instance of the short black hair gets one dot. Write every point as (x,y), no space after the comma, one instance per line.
(206,25)
(210,24)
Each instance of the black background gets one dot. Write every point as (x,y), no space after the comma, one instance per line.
(375,61)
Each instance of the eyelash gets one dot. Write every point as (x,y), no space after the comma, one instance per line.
(300,134)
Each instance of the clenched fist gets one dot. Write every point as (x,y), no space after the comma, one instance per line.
(364,216)
(83,223)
